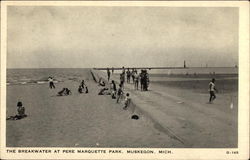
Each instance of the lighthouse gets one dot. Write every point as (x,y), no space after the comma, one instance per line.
(184,64)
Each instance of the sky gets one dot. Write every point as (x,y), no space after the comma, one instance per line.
(85,37)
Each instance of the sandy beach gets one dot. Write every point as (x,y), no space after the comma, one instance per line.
(78,120)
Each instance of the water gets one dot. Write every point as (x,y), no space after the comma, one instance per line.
(197,70)
(192,70)
(40,76)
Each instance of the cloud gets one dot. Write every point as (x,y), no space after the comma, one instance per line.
(114,35)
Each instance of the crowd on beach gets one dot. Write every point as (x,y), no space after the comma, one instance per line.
(111,89)
(129,77)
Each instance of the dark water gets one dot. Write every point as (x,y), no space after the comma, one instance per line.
(40,76)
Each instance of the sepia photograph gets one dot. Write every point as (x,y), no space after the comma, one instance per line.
(130,76)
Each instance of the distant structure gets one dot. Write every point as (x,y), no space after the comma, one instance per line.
(184,64)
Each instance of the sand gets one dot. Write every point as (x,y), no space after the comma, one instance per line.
(85,120)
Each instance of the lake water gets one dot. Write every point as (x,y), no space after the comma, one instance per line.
(40,76)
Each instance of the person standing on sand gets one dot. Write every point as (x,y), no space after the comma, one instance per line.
(51,83)
(212,90)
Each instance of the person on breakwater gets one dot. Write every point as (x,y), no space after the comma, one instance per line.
(113,89)
(119,93)
(127,101)
(122,79)
(51,83)
(20,112)
(128,75)
(141,79)
(144,80)
(212,90)
(123,70)
(108,73)
(136,81)
(112,70)
(104,91)
(133,75)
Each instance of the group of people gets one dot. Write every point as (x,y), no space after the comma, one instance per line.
(143,78)
(65,91)
(81,89)
(115,93)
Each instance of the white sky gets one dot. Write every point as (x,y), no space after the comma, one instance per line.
(76,37)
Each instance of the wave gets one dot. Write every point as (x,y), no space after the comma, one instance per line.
(30,82)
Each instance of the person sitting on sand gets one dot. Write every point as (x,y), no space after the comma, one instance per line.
(80,90)
(67,92)
(127,101)
(212,90)
(51,83)
(62,92)
(20,112)
(83,86)
(119,93)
